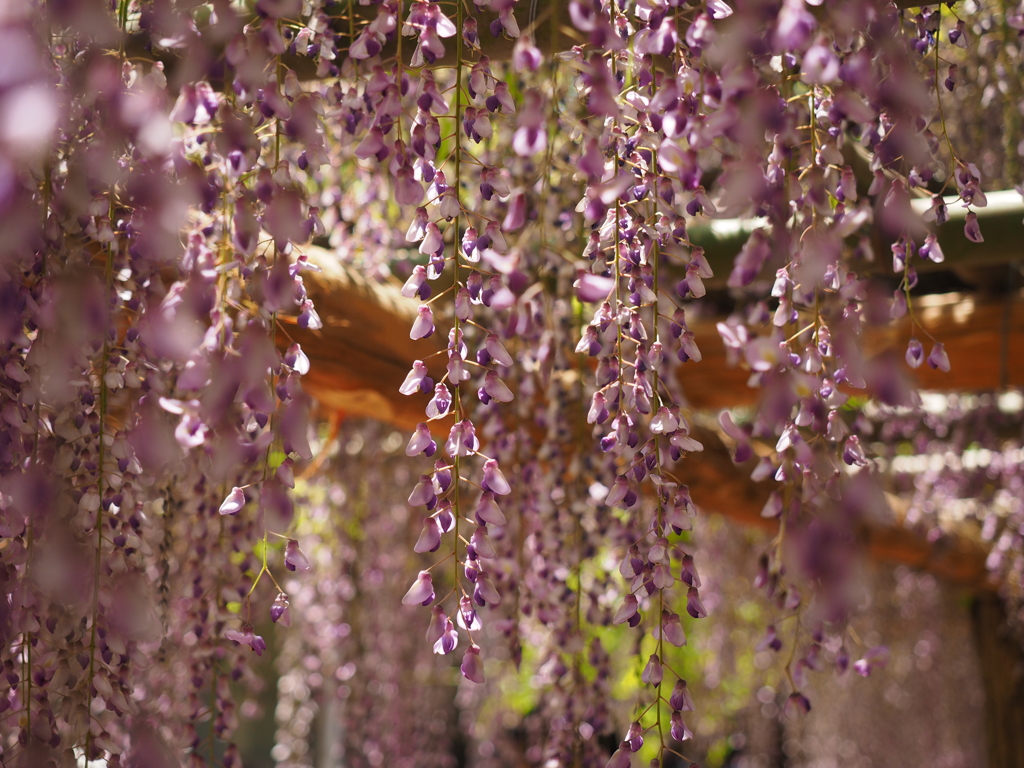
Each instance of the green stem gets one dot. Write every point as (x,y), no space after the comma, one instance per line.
(122,20)
(942,116)
(213,711)
(98,523)
(1011,113)
(582,440)
(618,305)
(661,522)
(457,185)
(30,532)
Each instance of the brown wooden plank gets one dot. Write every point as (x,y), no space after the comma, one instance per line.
(983,338)
(361,356)
(718,485)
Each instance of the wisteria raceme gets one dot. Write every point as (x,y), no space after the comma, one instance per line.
(148,388)
(632,213)
(539,184)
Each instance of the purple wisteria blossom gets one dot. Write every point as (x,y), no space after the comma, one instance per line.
(199,203)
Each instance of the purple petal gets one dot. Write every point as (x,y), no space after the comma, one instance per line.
(294,559)
(472,666)
(593,288)
(234,502)
(421,591)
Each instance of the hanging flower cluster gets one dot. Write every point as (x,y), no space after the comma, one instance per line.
(348,657)
(150,421)
(542,184)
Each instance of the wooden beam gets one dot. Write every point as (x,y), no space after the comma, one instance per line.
(718,485)
(551,28)
(552,32)
(984,341)
(1002,225)
(361,356)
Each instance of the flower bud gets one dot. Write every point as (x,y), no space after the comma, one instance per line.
(472,667)
(680,700)
(915,353)
(938,358)
(653,672)
(280,612)
(294,559)
(693,604)
(678,729)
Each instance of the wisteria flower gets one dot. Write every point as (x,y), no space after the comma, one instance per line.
(671,629)
(770,641)
(421,442)
(234,502)
(545,207)
(472,665)
(493,480)
(931,250)
(796,705)
(621,757)
(938,358)
(653,672)
(915,353)
(680,699)
(875,657)
(467,616)
(247,637)
(294,559)
(423,326)
(280,611)
(481,543)
(972,230)
(430,537)
(439,403)
(421,592)
(626,611)
(634,736)
(677,728)
(448,640)
(693,604)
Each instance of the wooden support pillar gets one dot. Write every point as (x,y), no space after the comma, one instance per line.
(1002,670)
